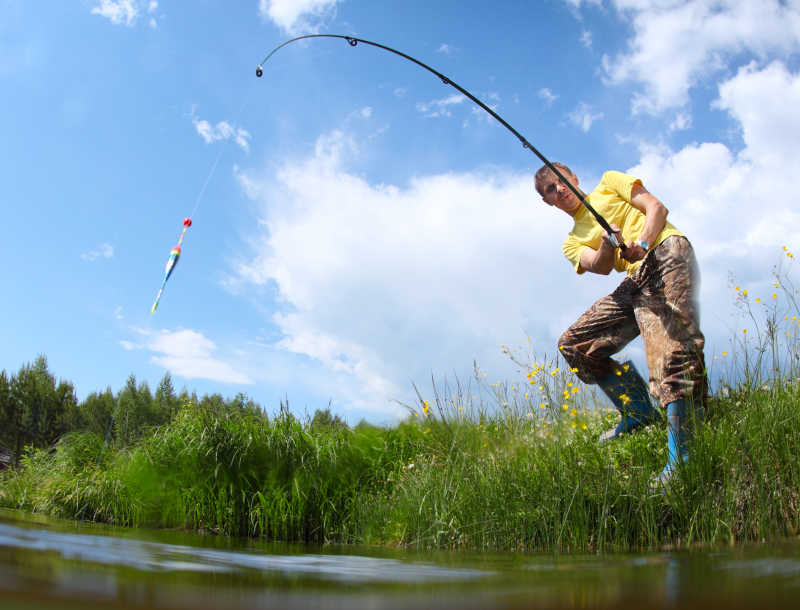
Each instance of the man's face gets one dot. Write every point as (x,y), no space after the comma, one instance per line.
(554,192)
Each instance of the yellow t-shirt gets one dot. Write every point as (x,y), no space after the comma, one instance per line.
(611,198)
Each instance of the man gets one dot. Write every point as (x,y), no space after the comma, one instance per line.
(657,299)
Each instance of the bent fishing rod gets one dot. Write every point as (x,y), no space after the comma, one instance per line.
(353,41)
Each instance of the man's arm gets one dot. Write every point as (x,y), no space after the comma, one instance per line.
(655,214)
(601,260)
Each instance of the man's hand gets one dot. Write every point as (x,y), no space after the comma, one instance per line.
(607,241)
(633,252)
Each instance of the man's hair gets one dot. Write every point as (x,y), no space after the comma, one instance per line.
(543,171)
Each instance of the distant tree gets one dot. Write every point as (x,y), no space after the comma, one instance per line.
(97,413)
(66,403)
(10,417)
(165,402)
(214,403)
(326,419)
(133,412)
(43,410)
(242,403)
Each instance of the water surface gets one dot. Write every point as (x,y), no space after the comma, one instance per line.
(47,563)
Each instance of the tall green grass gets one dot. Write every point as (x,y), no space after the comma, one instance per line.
(518,470)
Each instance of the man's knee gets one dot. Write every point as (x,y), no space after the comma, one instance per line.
(568,348)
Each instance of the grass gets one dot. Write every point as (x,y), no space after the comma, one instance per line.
(521,470)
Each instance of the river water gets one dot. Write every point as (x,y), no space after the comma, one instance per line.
(47,564)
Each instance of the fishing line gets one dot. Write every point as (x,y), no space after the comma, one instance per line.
(353,41)
(219,156)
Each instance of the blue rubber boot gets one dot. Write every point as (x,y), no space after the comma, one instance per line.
(629,393)
(678,432)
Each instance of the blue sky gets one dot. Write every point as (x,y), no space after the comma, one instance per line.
(358,226)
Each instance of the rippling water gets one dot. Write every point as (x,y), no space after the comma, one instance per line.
(52,564)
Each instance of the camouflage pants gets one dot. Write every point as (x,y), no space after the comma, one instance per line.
(659,302)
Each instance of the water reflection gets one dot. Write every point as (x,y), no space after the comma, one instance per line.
(150,556)
(55,563)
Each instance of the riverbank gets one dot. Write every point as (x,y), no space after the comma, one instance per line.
(449,476)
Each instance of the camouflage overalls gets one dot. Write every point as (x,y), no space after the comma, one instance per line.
(659,301)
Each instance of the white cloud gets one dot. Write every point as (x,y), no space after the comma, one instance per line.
(102,251)
(681,122)
(548,96)
(737,206)
(298,16)
(188,354)
(445,48)
(383,285)
(223,130)
(440,107)
(584,115)
(586,39)
(678,43)
(126,12)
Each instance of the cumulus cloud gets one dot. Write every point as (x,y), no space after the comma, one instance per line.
(678,43)
(102,251)
(383,285)
(734,204)
(127,12)
(297,16)
(223,130)
(186,353)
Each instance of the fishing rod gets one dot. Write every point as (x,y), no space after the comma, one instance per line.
(353,41)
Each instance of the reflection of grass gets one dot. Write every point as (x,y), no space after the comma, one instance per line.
(505,465)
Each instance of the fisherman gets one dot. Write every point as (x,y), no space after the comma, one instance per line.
(657,299)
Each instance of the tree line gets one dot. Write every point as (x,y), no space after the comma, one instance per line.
(36,409)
